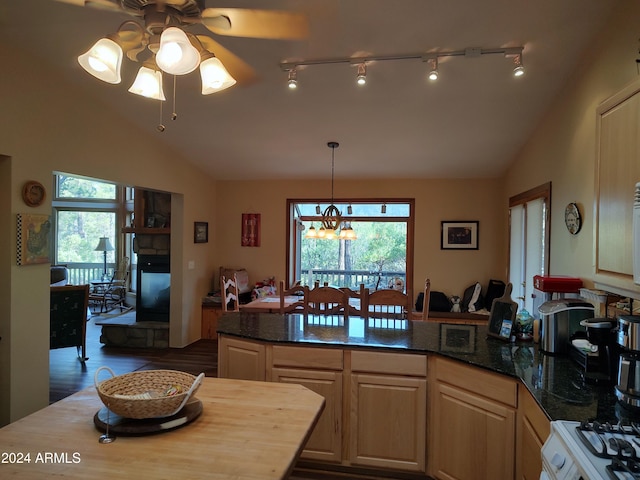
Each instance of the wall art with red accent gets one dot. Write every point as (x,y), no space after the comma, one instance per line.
(250,229)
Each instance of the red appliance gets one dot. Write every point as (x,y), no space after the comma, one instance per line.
(557,284)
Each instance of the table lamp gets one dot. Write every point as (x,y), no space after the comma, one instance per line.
(104,245)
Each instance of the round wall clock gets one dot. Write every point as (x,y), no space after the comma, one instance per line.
(33,193)
(572,218)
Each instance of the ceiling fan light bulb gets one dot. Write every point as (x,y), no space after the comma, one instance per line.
(176,55)
(148,83)
(215,77)
(103,60)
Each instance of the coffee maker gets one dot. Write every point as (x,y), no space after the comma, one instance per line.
(600,359)
(628,386)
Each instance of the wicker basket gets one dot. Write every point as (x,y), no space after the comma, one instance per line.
(147,394)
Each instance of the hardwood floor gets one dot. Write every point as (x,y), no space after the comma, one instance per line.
(67,376)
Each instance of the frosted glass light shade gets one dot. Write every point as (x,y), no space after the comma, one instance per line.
(215,77)
(148,83)
(103,60)
(176,54)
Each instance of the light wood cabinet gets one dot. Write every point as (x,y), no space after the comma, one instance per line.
(533,429)
(472,428)
(209,325)
(320,370)
(241,359)
(387,425)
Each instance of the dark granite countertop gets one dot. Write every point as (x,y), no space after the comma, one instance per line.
(556,382)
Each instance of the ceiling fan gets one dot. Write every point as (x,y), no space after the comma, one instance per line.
(142,44)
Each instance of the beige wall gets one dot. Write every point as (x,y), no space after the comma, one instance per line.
(436,200)
(51,127)
(563,149)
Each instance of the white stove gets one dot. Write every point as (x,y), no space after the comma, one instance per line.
(591,451)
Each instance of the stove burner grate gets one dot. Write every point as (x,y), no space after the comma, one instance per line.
(626,468)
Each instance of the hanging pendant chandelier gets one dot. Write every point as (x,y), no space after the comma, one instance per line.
(332,220)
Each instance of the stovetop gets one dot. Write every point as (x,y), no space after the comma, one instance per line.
(592,451)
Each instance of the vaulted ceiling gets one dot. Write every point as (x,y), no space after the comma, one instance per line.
(470,123)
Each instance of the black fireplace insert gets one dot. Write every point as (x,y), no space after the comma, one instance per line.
(153,289)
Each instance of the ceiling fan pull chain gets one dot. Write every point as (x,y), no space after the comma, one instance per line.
(174,115)
(160,125)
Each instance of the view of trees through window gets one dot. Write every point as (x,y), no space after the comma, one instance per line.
(84,211)
(376,258)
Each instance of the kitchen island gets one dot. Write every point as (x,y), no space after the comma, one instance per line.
(447,380)
(247,430)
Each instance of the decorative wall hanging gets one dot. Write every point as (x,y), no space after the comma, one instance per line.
(200,232)
(250,230)
(459,236)
(572,218)
(33,239)
(33,193)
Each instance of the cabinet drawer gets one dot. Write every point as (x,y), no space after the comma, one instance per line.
(324,358)
(390,363)
(473,379)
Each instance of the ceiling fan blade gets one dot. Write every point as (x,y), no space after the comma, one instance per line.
(278,25)
(238,68)
(100,4)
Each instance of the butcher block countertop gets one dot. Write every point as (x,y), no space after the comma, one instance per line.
(247,430)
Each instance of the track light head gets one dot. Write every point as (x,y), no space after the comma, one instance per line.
(292,81)
(518,71)
(361,79)
(433,65)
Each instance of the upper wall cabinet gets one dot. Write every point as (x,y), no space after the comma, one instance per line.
(617,171)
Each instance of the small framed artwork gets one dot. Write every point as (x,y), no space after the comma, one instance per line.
(33,239)
(459,235)
(250,230)
(200,232)
(457,338)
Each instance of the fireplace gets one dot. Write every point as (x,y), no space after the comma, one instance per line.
(153,288)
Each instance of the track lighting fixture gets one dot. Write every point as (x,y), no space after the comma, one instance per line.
(361,79)
(433,65)
(350,210)
(518,70)
(318,210)
(383,209)
(431,58)
(293,79)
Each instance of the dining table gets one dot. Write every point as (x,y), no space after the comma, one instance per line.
(268,304)
(246,430)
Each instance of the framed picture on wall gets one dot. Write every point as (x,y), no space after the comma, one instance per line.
(33,242)
(459,235)
(200,232)
(250,230)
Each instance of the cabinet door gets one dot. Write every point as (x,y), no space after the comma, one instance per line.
(533,429)
(325,443)
(388,421)
(472,437)
(240,359)
(210,317)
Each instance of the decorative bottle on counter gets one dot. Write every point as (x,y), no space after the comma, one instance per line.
(524,322)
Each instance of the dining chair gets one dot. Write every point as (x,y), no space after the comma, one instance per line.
(358,300)
(388,304)
(426,299)
(229,293)
(297,306)
(327,301)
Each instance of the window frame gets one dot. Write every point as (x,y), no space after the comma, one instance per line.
(543,192)
(292,249)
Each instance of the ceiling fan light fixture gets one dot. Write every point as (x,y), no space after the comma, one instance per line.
(176,54)
(148,83)
(103,60)
(215,76)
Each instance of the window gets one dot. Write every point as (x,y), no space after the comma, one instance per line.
(83,211)
(381,254)
(528,242)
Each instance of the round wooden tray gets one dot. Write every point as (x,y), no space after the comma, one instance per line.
(129,426)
